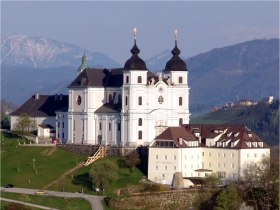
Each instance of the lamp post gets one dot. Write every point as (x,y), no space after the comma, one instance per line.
(34,163)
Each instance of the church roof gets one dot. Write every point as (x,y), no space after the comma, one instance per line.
(176,63)
(42,105)
(109,108)
(135,62)
(92,77)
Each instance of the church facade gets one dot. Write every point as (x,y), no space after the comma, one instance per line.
(126,106)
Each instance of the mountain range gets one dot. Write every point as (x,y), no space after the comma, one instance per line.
(245,70)
(41,52)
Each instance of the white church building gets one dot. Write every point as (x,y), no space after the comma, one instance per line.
(127,106)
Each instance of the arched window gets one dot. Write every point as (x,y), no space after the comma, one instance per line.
(140,121)
(126,100)
(180,101)
(139,79)
(127,79)
(140,100)
(180,80)
(110,99)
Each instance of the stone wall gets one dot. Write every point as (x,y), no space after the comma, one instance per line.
(175,199)
(91,149)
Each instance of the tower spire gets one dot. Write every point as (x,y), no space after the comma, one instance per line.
(135,34)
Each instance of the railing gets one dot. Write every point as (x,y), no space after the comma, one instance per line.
(100,153)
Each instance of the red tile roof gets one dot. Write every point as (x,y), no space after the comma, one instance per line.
(208,131)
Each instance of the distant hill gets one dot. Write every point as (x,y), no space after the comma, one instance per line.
(261,118)
(19,82)
(41,52)
(247,70)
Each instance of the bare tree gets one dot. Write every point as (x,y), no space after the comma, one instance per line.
(133,159)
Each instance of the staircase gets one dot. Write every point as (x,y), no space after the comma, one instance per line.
(100,153)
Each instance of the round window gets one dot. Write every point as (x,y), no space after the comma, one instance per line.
(78,100)
(160,99)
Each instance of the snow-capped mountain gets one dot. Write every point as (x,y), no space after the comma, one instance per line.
(41,52)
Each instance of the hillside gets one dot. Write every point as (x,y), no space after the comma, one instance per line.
(246,70)
(261,118)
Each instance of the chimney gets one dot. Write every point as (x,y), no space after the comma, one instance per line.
(37,96)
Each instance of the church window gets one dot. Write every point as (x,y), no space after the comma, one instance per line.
(165,167)
(180,121)
(62,124)
(126,100)
(140,121)
(160,99)
(63,135)
(74,125)
(127,79)
(100,126)
(180,80)
(139,134)
(119,127)
(78,100)
(180,101)
(110,99)
(139,79)
(140,100)
(109,126)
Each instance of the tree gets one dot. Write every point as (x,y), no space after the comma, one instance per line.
(103,172)
(260,184)
(133,159)
(24,123)
(228,198)
(212,181)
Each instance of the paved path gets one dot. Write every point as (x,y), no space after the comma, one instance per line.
(94,200)
(27,204)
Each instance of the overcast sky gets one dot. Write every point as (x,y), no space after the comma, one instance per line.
(107,26)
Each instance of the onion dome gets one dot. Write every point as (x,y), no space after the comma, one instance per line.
(135,62)
(176,63)
(84,64)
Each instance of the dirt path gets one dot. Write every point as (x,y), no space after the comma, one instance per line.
(70,171)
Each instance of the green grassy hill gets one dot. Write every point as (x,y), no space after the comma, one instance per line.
(36,167)
(33,167)
(261,118)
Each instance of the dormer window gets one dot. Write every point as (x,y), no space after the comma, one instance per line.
(139,79)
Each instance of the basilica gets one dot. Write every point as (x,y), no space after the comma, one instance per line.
(126,106)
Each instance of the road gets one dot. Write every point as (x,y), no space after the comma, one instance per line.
(94,200)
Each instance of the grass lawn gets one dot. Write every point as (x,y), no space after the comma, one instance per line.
(33,167)
(80,178)
(51,201)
